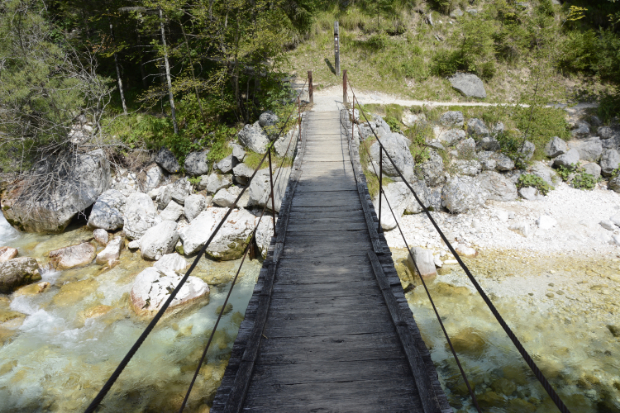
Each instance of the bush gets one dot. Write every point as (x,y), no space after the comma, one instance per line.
(584,181)
(564,172)
(393,123)
(534,181)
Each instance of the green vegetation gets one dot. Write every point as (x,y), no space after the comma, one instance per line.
(585,181)
(535,181)
(564,172)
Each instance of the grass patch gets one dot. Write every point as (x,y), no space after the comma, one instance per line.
(252,159)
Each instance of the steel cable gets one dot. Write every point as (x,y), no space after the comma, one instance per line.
(204,353)
(119,369)
(528,359)
(458,362)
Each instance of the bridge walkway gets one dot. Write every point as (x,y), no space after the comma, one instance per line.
(328,328)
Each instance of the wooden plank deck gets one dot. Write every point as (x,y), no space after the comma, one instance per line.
(328,328)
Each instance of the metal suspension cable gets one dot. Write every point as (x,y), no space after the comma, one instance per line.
(528,359)
(245,253)
(132,351)
(445,332)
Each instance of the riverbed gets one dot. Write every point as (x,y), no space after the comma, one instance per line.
(563,308)
(66,341)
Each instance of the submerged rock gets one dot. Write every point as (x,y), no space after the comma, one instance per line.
(101,236)
(7,253)
(111,252)
(17,272)
(173,262)
(153,286)
(73,256)
(424,260)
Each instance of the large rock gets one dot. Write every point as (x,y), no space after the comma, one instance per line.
(592,169)
(527,150)
(451,136)
(140,215)
(107,213)
(423,261)
(466,148)
(581,130)
(7,253)
(152,288)
(196,163)
(254,138)
(610,161)
(242,173)
(544,172)
(589,149)
(267,119)
(530,193)
(181,189)
(464,167)
(567,160)
(498,187)
(452,118)
(159,240)
(263,235)
(17,272)
(285,144)
(217,182)
(50,211)
(463,194)
(173,262)
(194,205)
(423,193)
(226,197)
(503,162)
(398,198)
(410,119)
(226,165)
(488,144)
(260,188)
(229,243)
(477,127)
(396,146)
(172,212)
(614,184)
(199,230)
(432,169)
(238,153)
(468,84)
(166,160)
(110,254)
(73,256)
(101,236)
(154,178)
(556,147)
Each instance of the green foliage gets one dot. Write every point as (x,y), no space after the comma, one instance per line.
(535,181)
(584,181)
(194,180)
(564,172)
(609,106)
(393,123)
(418,134)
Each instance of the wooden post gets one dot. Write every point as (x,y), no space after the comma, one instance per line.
(337,47)
(310,88)
(344,88)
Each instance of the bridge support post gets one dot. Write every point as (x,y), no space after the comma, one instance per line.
(273,207)
(310,88)
(337,48)
(380,229)
(344,88)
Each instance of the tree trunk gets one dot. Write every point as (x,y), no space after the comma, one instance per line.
(118,70)
(191,65)
(168,79)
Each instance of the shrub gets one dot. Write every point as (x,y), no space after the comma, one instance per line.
(584,181)
(534,181)
(393,123)
(565,171)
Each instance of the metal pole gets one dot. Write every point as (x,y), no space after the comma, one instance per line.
(337,47)
(380,230)
(344,88)
(273,203)
(310,88)
(299,117)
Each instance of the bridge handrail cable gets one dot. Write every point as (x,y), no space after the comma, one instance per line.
(119,369)
(528,359)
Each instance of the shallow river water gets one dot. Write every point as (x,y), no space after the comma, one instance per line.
(564,309)
(58,354)
(58,347)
